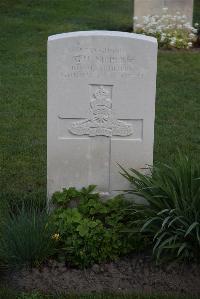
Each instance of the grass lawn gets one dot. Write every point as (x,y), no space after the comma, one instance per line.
(25,26)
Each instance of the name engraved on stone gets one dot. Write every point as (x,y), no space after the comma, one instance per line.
(102,121)
(89,62)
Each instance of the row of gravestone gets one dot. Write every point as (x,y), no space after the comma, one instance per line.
(155,7)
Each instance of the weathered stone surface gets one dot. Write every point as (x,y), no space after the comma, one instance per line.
(101,105)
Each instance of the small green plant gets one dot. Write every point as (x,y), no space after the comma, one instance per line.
(171,214)
(92,230)
(25,238)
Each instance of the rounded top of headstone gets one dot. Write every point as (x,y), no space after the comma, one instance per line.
(103,33)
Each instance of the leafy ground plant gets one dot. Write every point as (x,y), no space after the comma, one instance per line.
(171,214)
(26,238)
(89,230)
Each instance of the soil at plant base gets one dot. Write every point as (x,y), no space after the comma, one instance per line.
(132,274)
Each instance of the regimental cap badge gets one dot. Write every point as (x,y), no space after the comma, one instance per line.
(101,97)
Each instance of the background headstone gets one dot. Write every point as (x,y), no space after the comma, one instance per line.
(155,7)
(101,106)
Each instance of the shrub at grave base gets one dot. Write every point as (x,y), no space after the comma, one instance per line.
(171,31)
(172,213)
(25,238)
(92,231)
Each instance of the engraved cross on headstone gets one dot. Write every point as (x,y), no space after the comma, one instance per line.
(101,108)
(99,129)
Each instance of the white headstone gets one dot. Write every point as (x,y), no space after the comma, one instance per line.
(101,106)
(155,7)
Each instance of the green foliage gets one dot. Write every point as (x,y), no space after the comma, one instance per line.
(63,198)
(25,238)
(171,214)
(91,231)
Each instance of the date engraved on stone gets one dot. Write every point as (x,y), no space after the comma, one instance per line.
(102,121)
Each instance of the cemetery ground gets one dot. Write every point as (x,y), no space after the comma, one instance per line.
(25,26)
